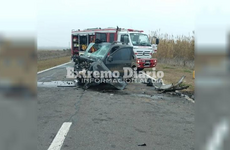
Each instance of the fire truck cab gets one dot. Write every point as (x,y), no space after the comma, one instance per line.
(136,38)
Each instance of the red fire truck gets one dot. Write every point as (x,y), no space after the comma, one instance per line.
(143,50)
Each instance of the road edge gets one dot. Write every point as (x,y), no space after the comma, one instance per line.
(53,67)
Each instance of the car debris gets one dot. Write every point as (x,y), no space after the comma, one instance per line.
(142,144)
(159,85)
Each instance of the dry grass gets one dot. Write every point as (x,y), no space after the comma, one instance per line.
(50,54)
(172,74)
(179,50)
(45,64)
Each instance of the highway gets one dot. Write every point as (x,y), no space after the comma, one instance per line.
(103,118)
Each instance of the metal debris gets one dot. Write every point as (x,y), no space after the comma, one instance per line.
(142,144)
(160,86)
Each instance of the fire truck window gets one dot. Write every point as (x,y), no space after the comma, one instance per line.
(111,37)
(101,36)
(83,40)
(91,39)
(125,38)
(122,54)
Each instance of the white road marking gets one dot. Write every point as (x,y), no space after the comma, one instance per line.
(53,67)
(57,84)
(221,132)
(189,99)
(60,137)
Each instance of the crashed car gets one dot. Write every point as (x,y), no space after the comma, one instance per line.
(104,56)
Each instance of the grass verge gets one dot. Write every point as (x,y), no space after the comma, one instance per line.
(45,64)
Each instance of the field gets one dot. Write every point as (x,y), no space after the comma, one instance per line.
(51,58)
(175,50)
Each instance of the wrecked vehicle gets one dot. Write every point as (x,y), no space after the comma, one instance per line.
(106,57)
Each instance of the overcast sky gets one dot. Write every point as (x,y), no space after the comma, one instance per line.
(53,20)
(56,18)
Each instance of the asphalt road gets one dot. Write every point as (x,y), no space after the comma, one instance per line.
(105,119)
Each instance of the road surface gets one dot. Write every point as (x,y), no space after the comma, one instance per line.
(102,118)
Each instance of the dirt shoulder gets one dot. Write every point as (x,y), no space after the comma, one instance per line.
(50,54)
(51,58)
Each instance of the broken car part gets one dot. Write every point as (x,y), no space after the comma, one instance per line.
(160,86)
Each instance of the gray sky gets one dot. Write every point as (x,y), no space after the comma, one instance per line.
(51,21)
(56,18)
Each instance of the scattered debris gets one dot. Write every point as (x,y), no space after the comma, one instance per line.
(142,144)
(160,86)
(190,98)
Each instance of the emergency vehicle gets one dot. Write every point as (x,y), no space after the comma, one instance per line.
(142,47)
